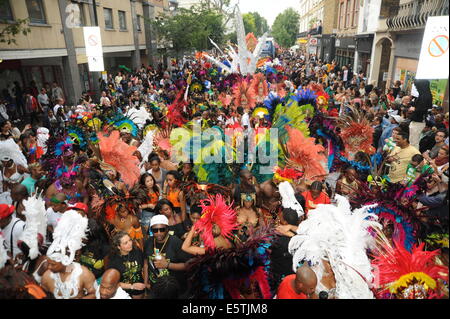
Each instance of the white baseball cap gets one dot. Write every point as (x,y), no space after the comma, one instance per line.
(159,220)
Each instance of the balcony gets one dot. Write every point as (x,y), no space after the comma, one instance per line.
(414,14)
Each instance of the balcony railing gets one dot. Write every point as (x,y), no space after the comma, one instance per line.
(414,14)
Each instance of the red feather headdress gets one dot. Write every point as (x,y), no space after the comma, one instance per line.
(408,275)
(305,155)
(241,89)
(215,211)
(177,109)
(356,132)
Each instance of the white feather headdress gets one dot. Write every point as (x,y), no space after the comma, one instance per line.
(146,147)
(68,234)
(3,252)
(139,117)
(36,223)
(9,149)
(288,199)
(342,237)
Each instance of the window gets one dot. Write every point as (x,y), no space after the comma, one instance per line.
(82,16)
(348,12)
(138,21)
(355,13)
(5,11)
(122,21)
(108,18)
(36,11)
(342,15)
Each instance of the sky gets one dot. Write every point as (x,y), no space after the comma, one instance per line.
(269,9)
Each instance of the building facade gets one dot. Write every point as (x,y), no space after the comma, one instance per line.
(54,50)
(347,28)
(398,40)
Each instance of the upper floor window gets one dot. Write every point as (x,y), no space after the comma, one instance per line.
(108,18)
(36,11)
(122,21)
(138,21)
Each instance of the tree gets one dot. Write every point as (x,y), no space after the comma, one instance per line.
(260,23)
(190,29)
(249,23)
(8,33)
(285,28)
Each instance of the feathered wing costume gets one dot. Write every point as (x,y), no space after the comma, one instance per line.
(244,94)
(42,136)
(304,154)
(68,235)
(9,149)
(407,275)
(178,111)
(146,148)
(139,116)
(35,226)
(120,155)
(234,271)
(288,199)
(342,237)
(216,211)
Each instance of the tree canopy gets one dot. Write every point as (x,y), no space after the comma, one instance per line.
(191,29)
(285,28)
(11,28)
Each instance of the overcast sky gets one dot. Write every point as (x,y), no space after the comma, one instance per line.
(269,9)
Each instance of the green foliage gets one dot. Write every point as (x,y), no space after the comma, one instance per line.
(8,33)
(260,23)
(249,23)
(285,28)
(190,29)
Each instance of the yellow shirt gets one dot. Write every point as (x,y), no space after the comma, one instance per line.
(400,164)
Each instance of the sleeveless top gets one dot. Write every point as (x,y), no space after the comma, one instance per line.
(69,288)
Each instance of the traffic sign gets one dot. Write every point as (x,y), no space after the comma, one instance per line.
(313,41)
(93,41)
(438,46)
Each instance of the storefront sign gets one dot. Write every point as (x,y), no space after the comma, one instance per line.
(338,43)
(438,88)
(434,52)
(313,41)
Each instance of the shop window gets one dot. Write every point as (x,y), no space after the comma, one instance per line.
(36,11)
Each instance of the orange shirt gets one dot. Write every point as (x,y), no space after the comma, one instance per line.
(286,289)
(153,198)
(172,196)
(311,203)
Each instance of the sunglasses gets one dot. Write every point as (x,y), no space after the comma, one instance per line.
(161,230)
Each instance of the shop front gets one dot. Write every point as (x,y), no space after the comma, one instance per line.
(364,45)
(406,60)
(345,51)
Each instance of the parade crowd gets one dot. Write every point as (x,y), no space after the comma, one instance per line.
(95,201)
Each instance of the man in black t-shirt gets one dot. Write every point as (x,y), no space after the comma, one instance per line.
(163,254)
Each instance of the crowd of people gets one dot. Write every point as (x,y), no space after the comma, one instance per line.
(97,202)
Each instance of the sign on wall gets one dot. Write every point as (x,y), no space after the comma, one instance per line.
(94,50)
(433,62)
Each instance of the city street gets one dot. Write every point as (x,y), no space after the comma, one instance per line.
(224,149)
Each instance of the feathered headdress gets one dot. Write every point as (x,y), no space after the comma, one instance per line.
(124,124)
(288,199)
(287,174)
(177,111)
(341,236)
(78,136)
(146,148)
(258,80)
(304,154)
(356,132)
(408,275)
(215,211)
(120,155)
(68,235)
(139,116)
(9,150)
(42,136)
(244,94)
(36,224)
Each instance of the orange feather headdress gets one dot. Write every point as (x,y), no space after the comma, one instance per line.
(260,79)
(120,155)
(243,94)
(304,154)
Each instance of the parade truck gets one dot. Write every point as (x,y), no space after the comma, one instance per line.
(269,48)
